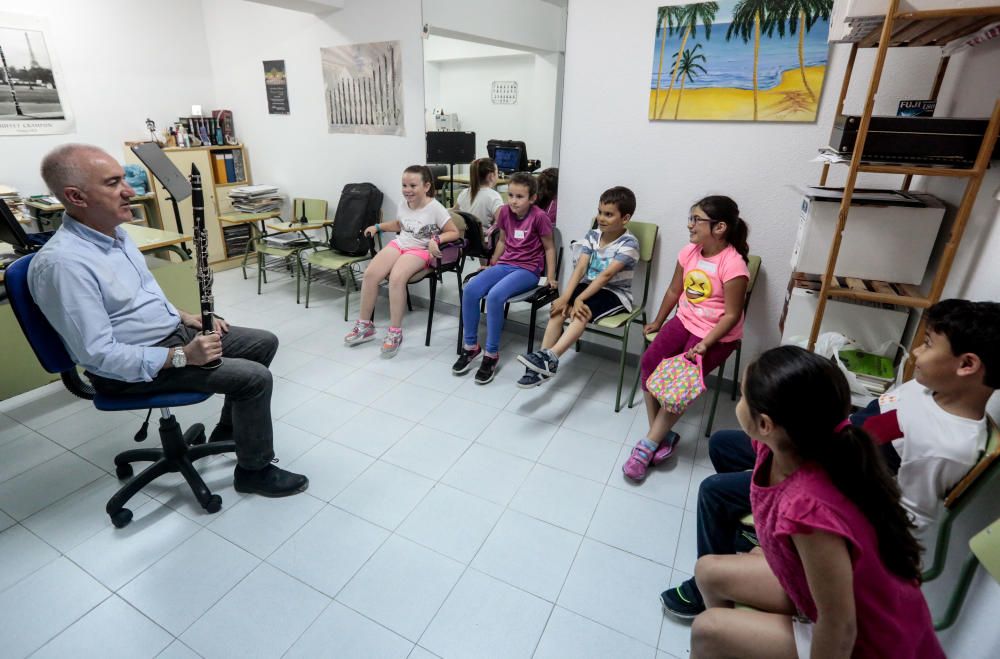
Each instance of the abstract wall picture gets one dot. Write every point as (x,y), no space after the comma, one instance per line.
(739,60)
(364,90)
(32,100)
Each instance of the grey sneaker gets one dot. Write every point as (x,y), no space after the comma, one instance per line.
(531,379)
(363,331)
(393,339)
(539,362)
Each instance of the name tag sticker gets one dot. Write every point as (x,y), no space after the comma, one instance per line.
(519,234)
(707,266)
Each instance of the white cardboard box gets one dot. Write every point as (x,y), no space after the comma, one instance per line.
(881,241)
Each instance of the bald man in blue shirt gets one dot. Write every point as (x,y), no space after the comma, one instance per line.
(94,287)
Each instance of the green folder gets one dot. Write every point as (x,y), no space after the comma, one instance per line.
(866,363)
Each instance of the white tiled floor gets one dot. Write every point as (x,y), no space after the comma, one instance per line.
(443,518)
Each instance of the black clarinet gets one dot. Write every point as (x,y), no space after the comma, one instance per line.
(203,272)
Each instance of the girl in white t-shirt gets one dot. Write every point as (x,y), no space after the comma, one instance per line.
(421,225)
(481,198)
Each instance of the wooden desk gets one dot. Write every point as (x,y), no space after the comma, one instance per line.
(151,240)
(237,218)
(463,179)
(42,210)
(288,227)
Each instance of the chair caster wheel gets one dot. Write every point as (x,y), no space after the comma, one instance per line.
(121,518)
(214,504)
(122,472)
(199,439)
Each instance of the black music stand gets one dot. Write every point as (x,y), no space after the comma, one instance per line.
(177,185)
(449,147)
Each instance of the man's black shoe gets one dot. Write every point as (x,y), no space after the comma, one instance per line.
(683,601)
(270,481)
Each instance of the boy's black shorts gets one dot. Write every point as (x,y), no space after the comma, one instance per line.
(601,304)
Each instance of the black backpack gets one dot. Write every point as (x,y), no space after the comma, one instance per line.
(357,209)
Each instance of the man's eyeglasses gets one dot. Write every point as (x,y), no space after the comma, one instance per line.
(694,219)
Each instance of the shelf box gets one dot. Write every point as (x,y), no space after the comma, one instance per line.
(883,239)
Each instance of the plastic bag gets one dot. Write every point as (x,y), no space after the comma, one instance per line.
(829,344)
(135,176)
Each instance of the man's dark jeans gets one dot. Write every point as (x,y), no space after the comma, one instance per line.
(244,378)
(724,497)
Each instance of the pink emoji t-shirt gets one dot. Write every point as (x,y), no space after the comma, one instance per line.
(703,300)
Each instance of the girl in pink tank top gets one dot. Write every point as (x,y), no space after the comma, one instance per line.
(838,567)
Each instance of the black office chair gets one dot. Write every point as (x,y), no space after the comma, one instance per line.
(179,450)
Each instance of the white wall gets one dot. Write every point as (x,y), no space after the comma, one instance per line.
(295,151)
(530,24)
(121,62)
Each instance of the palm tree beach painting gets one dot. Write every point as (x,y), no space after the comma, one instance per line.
(739,60)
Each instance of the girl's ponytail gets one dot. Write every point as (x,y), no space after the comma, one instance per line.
(809,398)
(858,470)
(479,170)
(736,235)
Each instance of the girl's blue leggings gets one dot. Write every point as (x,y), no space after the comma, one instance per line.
(497,284)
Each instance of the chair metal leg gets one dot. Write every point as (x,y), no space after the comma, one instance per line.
(621,369)
(531,327)
(298,277)
(430,311)
(260,270)
(736,373)
(309,272)
(958,594)
(246,255)
(715,399)
(638,372)
(506,310)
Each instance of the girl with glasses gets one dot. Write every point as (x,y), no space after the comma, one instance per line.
(708,290)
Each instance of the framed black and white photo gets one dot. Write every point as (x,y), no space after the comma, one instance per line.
(32,97)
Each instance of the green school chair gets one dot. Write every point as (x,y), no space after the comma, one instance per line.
(617,326)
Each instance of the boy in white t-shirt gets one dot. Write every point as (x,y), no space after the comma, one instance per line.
(937,422)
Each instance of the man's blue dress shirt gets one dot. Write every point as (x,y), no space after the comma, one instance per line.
(100,296)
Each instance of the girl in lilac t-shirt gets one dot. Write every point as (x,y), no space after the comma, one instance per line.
(524,250)
(839,567)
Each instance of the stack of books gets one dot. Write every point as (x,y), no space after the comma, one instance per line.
(12,198)
(255,198)
(874,372)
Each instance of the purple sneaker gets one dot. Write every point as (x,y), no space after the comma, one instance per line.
(637,463)
(666,448)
